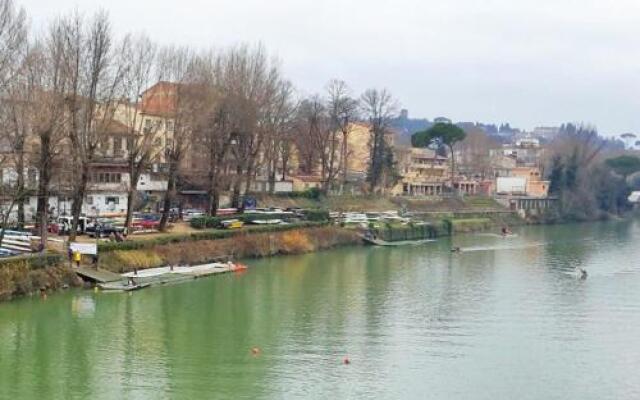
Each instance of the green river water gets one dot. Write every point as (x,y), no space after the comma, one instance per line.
(504,319)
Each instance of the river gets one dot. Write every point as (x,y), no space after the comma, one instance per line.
(504,319)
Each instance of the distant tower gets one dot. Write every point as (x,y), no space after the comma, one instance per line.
(404,114)
(629,140)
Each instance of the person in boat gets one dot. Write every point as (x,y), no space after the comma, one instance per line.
(456,250)
(506,231)
(582,273)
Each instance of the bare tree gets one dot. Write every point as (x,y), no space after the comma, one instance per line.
(45,85)
(13,38)
(252,82)
(278,124)
(379,108)
(314,136)
(343,111)
(176,66)
(138,59)
(475,152)
(94,80)
(13,129)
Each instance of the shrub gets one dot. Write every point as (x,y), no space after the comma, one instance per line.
(205,222)
(203,235)
(316,215)
(311,193)
(32,261)
(295,242)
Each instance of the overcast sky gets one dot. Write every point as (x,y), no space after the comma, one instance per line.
(528,62)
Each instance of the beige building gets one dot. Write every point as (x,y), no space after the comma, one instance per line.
(534,185)
(300,183)
(424,173)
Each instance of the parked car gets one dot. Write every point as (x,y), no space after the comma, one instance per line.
(104,230)
(188,215)
(62,226)
(145,221)
(232,224)
(145,224)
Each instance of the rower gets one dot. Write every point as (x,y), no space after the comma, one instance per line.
(582,273)
(456,250)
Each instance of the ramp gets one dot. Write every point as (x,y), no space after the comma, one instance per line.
(97,275)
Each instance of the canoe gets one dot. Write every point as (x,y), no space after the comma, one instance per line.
(379,242)
(122,286)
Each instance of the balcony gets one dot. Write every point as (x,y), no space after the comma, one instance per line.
(108,186)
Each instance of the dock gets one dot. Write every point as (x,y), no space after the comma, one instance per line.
(136,280)
(97,275)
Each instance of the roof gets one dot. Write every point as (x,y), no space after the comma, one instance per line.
(159,99)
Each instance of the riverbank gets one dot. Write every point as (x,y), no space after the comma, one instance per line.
(24,276)
(249,245)
(370,305)
(29,275)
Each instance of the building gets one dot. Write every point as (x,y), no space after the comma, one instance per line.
(424,173)
(441,120)
(630,140)
(524,191)
(300,183)
(546,133)
(358,148)
(262,185)
(526,152)
(523,181)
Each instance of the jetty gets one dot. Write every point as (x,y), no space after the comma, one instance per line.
(110,281)
(97,275)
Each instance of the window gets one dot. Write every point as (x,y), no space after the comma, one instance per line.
(90,200)
(147,123)
(170,126)
(106,177)
(111,199)
(32,176)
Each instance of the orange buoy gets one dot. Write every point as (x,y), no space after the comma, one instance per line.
(255,351)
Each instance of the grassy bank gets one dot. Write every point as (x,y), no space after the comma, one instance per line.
(198,235)
(244,245)
(20,276)
(467,225)
(361,203)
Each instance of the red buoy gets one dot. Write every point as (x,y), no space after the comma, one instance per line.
(346,361)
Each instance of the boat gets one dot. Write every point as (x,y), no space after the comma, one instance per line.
(122,286)
(267,221)
(236,267)
(380,242)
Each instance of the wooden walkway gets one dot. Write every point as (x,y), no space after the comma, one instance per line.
(97,275)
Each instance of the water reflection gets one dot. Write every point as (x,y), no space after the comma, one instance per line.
(483,323)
